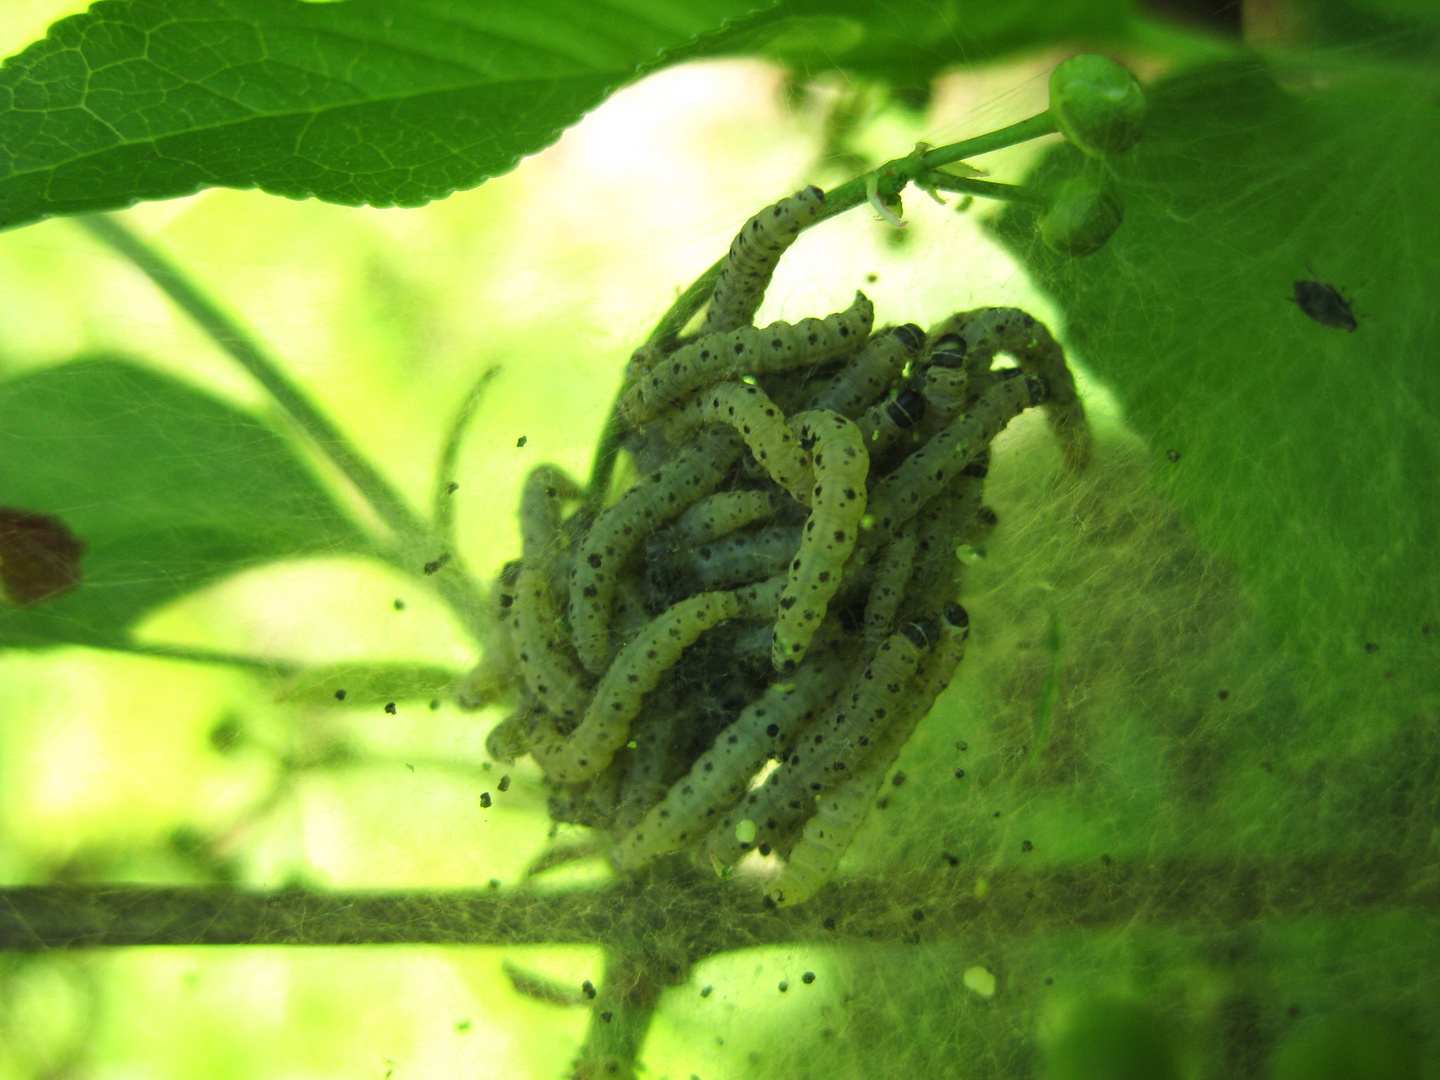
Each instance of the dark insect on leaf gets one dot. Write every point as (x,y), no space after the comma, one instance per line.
(39,556)
(1324,304)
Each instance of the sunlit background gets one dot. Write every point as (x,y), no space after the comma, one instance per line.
(127,768)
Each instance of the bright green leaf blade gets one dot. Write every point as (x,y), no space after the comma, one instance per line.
(1306,454)
(168,488)
(365,101)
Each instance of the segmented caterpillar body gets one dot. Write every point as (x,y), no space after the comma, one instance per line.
(869,374)
(758,421)
(837,502)
(745,556)
(886,421)
(657,498)
(939,527)
(510,738)
(933,466)
(839,738)
(753,256)
(549,671)
(987,331)
(648,755)
(947,385)
(841,811)
(635,672)
(495,674)
(725,512)
(720,776)
(887,588)
(749,350)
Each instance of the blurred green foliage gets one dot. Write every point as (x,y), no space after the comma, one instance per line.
(1174,722)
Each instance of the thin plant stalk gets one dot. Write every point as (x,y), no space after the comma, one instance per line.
(410,534)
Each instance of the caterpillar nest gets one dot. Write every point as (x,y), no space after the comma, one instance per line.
(779,584)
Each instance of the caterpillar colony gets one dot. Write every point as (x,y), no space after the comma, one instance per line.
(778,588)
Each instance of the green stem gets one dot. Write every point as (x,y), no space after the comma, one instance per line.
(249,354)
(985,189)
(892,178)
(410,534)
(444,503)
(621,1015)
(1021,131)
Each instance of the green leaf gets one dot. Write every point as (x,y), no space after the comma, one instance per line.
(365,101)
(1305,454)
(168,488)
(908,42)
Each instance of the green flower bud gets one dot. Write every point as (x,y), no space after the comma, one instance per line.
(1097,104)
(1082,216)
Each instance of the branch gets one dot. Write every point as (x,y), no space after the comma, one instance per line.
(701,917)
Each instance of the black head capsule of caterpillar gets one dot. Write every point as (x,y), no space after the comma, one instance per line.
(949,352)
(908,408)
(921,632)
(1038,388)
(956,615)
(911,336)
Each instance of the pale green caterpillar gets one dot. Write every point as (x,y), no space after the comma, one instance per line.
(987,331)
(758,421)
(549,671)
(637,670)
(494,675)
(837,504)
(753,256)
(886,421)
(786,798)
(749,350)
(927,471)
(721,775)
(841,811)
(893,571)
(942,523)
(868,375)
(948,385)
(648,755)
(655,499)
(725,512)
(730,560)
(510,738)
(825,755)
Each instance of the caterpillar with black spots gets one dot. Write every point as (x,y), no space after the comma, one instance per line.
(841,811)
(753,256)
(662,495)
(635,672)
(837,501)
(840,737)
(749,350)
(720,775)
(934,465)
